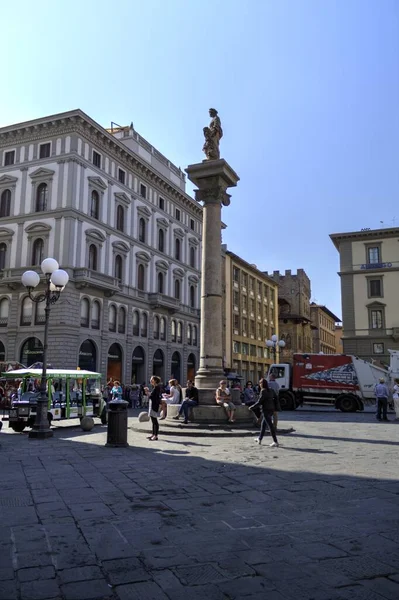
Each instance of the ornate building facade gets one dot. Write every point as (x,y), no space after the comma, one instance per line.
(250,317)
(324,325)
(114,212)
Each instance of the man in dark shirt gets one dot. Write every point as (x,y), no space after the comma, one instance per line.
(190,400)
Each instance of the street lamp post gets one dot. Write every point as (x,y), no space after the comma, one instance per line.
(275,344)
(55,281)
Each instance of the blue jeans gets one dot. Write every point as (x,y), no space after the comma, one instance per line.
(382,404)
(186,405)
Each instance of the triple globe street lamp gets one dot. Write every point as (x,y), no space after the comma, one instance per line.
(275,344)
(55,281)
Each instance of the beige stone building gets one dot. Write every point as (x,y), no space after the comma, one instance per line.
(294,320)
(369,271)
(323,331)
(339,332)
(250,317)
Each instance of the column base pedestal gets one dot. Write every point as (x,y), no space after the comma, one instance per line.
(206,414)
(40,434)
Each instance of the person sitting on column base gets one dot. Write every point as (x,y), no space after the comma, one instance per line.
(190,400)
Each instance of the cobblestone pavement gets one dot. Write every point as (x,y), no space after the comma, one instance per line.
(203,514)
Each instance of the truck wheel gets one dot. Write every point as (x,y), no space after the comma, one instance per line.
(348,404)
(18,427)
(287,402)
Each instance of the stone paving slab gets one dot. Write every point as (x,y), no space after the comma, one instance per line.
(203,514)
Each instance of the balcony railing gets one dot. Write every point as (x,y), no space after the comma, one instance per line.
(3,321)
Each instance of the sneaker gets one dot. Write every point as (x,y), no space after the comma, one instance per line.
(258,441)
(273,445)
(177,417)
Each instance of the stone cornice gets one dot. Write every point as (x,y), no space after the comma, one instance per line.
(366,235)
(77,121)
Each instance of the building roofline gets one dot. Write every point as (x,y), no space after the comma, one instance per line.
(250,267)
(80,114)
(326,310)
(364,234)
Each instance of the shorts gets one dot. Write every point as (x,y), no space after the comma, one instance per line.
(227,405)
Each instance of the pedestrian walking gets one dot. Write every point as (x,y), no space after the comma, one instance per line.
(190,400)
(275,386)
(154,406)
(223,399)
(396,399)
(381,394)
(268,402)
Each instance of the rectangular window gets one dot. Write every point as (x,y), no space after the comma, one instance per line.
(236,322)
(373,255)
(376,319)
(96,159)
(9,158)
(244,280)
(236,347)
(161,203)
(252,284)
(378,348)
(252,328)
(192,224)
(177,214)
(259,288)
(244,326)
(236,299)
(121,176)
(143,191)
(252,350)
(244,348)
(44,150)
(236,274)
(375,288)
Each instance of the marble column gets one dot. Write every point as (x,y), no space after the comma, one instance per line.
(212,178)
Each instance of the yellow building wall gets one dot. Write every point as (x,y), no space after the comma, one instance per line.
(389,251)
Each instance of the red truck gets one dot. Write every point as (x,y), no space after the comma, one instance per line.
(343,381)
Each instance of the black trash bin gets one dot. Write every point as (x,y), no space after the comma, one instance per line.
(117,424)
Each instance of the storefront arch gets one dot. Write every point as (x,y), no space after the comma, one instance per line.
(176,366)
(31,351)
(158,364)
(2,352)
(114,367)
(139,374)
(88,356)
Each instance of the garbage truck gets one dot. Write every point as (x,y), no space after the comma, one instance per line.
(343,381)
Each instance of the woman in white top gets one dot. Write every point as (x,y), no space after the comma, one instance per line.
(174,397)
(396,398)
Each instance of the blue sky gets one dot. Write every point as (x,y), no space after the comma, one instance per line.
(307,90)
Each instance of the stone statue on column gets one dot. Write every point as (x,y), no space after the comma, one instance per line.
(213,134)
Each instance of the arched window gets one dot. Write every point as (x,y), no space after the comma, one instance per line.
(96,315)
(141,277)
(160,283)
(192,296)
(40,316)
(41,197)
(37,251)
(95,205)
(161,240)
(3,255)
(177,249)
(144,324)
(162,333)
(142,230)
(112,318)
(5,204)
(192,257)
(26,311)
(120,218)
(136,323)
(122,320)
(156,328)
(189,335)
(173,330)
(84,312)
(93,257)
(118,267)
(4,308)
(194,335)
(177,289)
(179,332)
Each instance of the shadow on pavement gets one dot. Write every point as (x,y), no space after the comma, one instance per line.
(79,520)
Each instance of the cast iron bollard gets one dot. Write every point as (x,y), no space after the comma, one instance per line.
(117,424)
